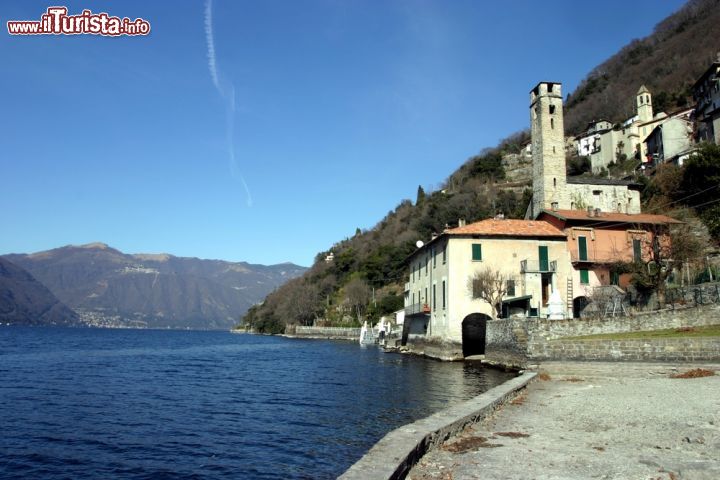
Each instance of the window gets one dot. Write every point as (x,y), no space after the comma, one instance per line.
(584,277)
(434,299)
(426,296)
(476,252)
(443,295)
(434,255)
(444,255)
(552,123)
(582,248)
(614,278)
(413,299)
(552,109)
(427,261)
(510,288)
(543,258)
(413,273)
(637,250)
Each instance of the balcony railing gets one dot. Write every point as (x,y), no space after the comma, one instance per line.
(533,266)
(417,308)
(608,257)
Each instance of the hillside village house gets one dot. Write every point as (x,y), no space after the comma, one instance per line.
(671,141)
(531,255)
(604,143)
(598,241)
(706,93)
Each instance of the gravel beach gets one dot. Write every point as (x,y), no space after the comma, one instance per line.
(593,420)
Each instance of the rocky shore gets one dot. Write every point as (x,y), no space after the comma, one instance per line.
(593,420)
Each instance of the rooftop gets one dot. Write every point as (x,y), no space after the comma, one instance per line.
(508,228)
(611,217)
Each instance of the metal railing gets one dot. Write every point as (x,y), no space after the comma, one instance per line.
(417,308)
(527,266)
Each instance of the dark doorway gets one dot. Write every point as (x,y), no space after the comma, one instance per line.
(579,305)
(473,334)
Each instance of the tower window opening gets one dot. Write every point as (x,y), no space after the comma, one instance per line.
(552,109)
(554,179)
(553,149)
(647,98)
(552,123)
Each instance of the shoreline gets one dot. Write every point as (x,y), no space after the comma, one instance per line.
(399,450)
(593,420)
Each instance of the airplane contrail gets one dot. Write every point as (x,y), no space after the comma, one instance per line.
(229,98)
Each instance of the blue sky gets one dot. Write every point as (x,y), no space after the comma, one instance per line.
(341,109)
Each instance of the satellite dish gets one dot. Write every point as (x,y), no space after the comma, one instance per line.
(419,244)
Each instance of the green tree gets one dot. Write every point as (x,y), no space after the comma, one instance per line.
(420,196)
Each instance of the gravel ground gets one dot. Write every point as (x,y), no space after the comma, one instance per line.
(593,420)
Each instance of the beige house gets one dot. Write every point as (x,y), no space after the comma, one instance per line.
(532,257)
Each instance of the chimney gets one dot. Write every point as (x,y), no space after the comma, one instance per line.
(589,211)
(554,206)
(597,212)
(500,216)
(461,222)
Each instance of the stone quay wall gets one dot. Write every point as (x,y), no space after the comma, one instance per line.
(519,342)
(340,333)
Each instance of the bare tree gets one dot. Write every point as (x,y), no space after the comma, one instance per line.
(669,247)
(489,285)
(301,303)
(357,294)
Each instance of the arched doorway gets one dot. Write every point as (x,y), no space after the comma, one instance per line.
(579,304)
(473,334)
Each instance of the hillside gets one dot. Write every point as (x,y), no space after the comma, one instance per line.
(110,288)
(366,273)
(668,62)
(25,301)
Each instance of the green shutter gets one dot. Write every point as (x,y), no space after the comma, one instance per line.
(582,248)
(584,277)
(543,254)
(637,250)
(476,251)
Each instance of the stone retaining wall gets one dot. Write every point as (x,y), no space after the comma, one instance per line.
(656,350)
(518,342)
(323,332)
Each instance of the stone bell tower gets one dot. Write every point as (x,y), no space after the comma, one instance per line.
(548,148)
(643,103)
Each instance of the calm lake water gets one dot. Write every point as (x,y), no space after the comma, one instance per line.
(95,403)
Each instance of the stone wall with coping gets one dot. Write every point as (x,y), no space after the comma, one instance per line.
(519,342)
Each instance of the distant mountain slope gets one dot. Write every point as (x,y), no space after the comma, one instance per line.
(668,62)
(25,301)
(111,288)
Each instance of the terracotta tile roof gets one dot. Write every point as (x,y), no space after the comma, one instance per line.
(508,228)
(612,217)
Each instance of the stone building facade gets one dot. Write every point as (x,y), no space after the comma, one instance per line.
(552,189)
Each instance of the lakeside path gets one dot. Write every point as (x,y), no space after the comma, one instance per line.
(593,420)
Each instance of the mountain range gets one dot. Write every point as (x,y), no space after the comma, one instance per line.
(25,301)
(107,287)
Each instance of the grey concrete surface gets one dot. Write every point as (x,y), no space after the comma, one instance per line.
(593,420)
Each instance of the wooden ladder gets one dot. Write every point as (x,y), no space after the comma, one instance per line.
(569,298)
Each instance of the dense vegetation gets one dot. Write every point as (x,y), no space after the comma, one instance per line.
(366,275)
